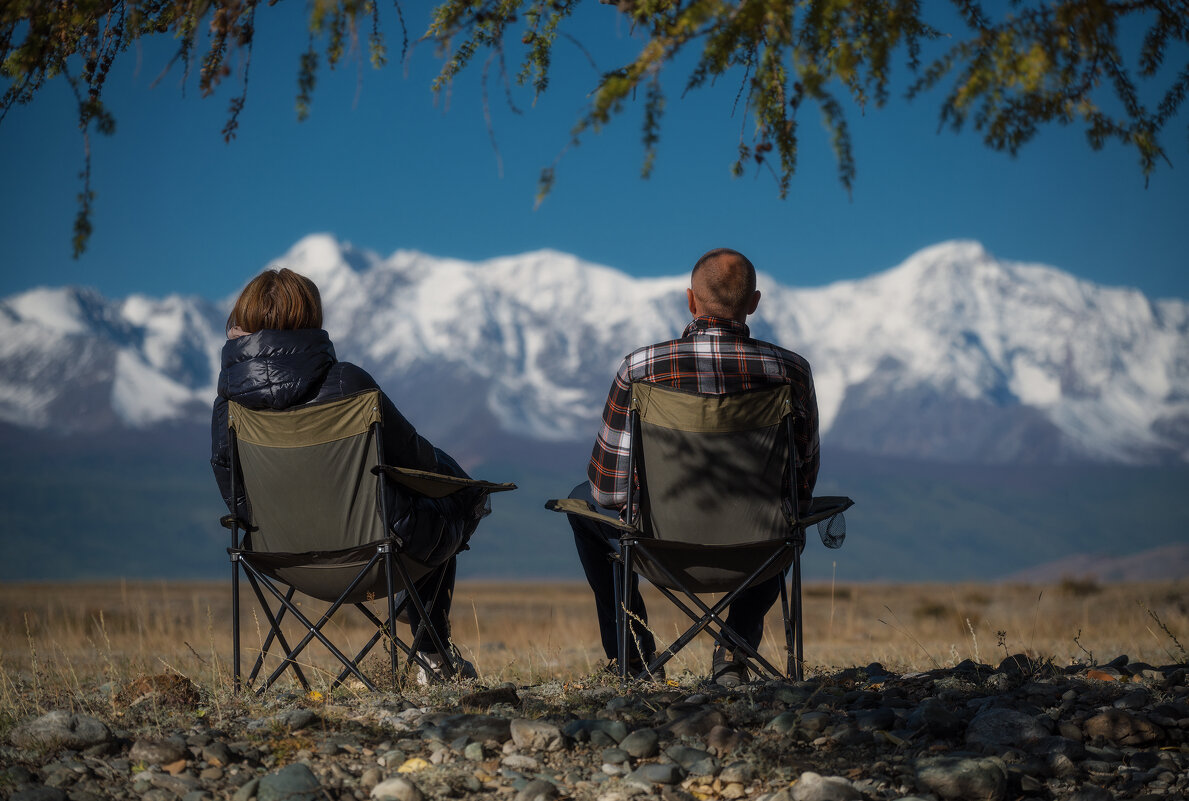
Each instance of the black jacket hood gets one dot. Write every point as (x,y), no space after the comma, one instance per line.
(275,369)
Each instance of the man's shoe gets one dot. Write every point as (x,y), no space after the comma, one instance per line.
(463,669)
(729,668)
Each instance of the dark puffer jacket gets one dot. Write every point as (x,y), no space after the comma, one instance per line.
(283,369)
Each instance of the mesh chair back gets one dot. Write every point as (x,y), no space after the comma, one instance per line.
(713,465)
(307,473)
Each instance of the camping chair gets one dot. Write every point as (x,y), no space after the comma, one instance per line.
(319,496)
(714,509)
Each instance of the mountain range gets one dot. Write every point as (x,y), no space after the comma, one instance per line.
(989,418)
(951,356)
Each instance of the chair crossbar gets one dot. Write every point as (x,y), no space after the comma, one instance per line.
(709,615)
(274,632)
(314,630)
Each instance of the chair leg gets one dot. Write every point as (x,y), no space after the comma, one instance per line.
(786,620)
(391,616)
(235,624)
(621,610)
(796,599)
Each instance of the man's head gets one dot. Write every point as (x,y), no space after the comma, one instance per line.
(723,284)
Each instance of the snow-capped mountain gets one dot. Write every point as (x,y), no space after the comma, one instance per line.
(952,355)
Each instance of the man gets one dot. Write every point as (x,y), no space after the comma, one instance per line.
(715,354)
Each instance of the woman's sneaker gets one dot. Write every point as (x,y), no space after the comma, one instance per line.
(463,669)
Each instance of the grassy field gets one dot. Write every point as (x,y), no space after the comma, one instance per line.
(59,641)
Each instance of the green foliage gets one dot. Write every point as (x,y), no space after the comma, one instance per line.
(1008,74)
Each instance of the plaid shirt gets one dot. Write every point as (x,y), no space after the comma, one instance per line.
(713,356)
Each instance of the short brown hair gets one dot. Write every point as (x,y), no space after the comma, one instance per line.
(723,281)
(277,299)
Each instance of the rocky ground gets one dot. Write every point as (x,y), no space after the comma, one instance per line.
(1019,730)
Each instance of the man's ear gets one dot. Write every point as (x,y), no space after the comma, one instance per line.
(754,302)
(693,304)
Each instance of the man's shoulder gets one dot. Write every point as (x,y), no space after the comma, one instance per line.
(783,353)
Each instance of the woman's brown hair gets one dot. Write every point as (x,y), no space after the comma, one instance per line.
(277,299)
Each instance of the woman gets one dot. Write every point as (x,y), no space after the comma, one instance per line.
(277,356)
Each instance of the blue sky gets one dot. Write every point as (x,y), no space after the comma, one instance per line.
(380,164)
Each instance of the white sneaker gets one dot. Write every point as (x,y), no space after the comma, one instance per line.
(463,669)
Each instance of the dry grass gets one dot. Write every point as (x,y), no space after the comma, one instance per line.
(57,640)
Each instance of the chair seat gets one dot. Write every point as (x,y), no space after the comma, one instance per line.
(708,568)
(325,575)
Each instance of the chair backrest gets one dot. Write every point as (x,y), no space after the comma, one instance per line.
(307,473)
(712,467)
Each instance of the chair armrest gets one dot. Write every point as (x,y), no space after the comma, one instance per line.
(436,485)
(575,506)
(825,506)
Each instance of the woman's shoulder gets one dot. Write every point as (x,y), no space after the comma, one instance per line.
(346,379)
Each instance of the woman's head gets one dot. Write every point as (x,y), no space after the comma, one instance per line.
(277,299)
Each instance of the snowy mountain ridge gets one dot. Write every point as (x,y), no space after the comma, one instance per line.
(953,355)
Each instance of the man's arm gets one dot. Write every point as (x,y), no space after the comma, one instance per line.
(608,470)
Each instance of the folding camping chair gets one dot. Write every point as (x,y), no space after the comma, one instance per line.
(319,496)
(714,509)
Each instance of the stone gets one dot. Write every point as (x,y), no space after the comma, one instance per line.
(370,778)
(247,790)
(59,729)
(697,724)
(811,786)
(873,719)
(1005,727)
(216,753)
(655,773)
(723,740)
(538,790)
(157,752)
(737,773)
(473,752)
(615,756)
(398,788)
(584,730)
(294,782)
(39,793)
(521,762)
(815,721)
(485,699)
(1016,665)
(935,718)
(783,723)
(1092,792)
(1061,766)
(536,735)
(641,744)
(963,778)
(1122,727)
(480,728)
(687,757)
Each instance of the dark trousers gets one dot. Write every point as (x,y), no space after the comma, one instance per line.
(439,614)
(596,542)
